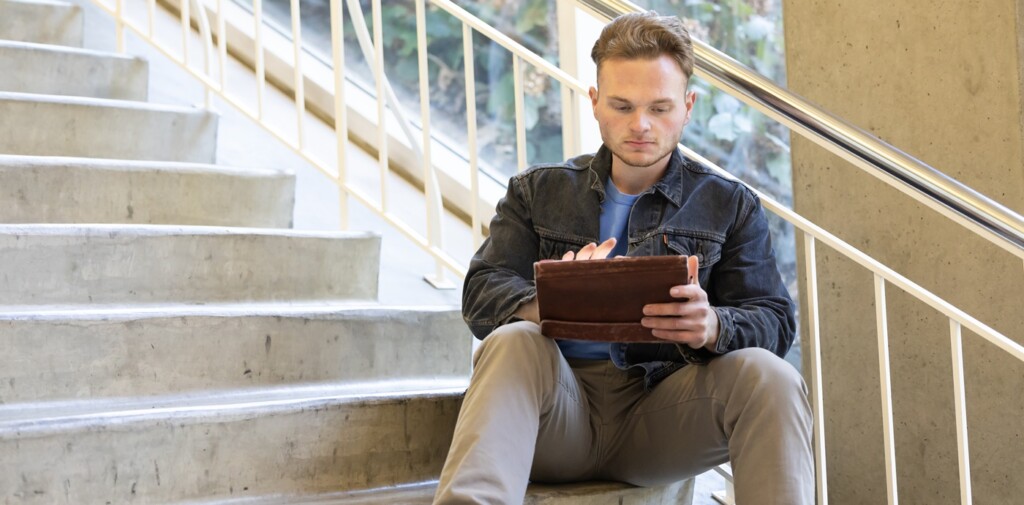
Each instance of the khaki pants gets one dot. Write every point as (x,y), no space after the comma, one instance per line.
(530,414)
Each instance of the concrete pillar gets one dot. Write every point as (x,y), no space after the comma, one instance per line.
(943,82)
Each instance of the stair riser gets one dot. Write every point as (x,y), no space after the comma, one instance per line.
(46,71)
(43,23)
(64,359)
(317,449)
(91,194)
(127,267)
(106,130)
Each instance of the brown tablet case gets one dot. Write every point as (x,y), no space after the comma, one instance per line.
(603,300)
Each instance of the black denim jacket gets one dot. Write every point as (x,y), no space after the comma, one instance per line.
(550,209)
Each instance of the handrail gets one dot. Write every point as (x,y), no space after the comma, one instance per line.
(986,217)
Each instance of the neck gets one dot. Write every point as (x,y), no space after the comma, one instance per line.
(635,180)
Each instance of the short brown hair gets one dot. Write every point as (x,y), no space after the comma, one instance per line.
(645,35)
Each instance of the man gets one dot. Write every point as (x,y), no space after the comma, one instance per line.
(647,414)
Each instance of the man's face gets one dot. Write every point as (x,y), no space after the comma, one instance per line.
(641,106)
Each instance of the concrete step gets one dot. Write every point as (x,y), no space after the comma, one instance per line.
(44,189)
(287,440)
(137,264)
(51,125)
(57,70)
(582,493)
(41,21)
(66,354)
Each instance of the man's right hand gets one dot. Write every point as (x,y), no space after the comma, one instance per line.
(592,251)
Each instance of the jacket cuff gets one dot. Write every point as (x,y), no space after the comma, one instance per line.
(726,329)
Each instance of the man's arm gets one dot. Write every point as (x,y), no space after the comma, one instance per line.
(500,275)
(752,307)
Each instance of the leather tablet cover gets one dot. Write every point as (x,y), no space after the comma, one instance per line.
(603,300)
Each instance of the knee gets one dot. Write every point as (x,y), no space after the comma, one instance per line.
(769,376)
(519,342)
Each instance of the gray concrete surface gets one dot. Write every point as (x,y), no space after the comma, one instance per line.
(281,441)
(53,355)
(54,70)
(943,82)
(96,128)
(44,189)
(53,22)
(119,264)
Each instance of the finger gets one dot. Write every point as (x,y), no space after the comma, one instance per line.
(604,249)
(568,256)
(587,251)
(692,269)
(664,309)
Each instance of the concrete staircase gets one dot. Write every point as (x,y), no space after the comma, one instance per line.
(165,337)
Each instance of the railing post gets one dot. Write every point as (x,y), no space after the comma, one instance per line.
(382,112)
(814,352)
(885,379)
(340,112)
(186,27)
(517,90)
(298,79)
(119,25)
(471,140)
(960,403)
(261,72)
(431,191)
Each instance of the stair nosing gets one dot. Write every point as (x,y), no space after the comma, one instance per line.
(56,48)
(14,96)
(33,420)
(136,312)
(185,167)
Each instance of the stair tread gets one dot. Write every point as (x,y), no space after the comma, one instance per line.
(422,493)
(23,419)
(30,161)
(318,309)
(100,102)
(169,230)
(56,48)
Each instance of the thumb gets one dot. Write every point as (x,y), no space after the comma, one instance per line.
(692,267)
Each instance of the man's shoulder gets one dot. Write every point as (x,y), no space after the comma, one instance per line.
(574,165)
(696,174)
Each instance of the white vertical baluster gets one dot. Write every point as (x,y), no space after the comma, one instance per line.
(382,132)
(340,113)
(186,28)
(222,47)
(471,140)
(261,72)
(813,341)
(119,25)
(960,402)
(150,16)
(517,86)
(432,193)
(298,78)
(885,378)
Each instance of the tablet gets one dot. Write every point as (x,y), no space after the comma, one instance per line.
(603,300)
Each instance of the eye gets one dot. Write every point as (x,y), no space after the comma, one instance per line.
(621,108)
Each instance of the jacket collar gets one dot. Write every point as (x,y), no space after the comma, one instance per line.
(670,185)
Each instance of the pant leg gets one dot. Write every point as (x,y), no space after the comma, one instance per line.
(748,407)
(523,409)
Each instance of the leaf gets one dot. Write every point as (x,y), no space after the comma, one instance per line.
(725,103)
(721,127)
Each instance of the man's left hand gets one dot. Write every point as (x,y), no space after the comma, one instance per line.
(689,321)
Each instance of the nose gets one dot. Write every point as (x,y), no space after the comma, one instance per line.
(639,122)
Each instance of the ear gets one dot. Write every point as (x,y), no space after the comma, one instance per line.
(593,98)
(691,98)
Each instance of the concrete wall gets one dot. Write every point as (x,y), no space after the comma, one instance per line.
(942,81)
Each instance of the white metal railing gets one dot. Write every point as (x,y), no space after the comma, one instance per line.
(812,234)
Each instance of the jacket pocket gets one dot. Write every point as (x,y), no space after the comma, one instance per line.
(707,251)
(554,245)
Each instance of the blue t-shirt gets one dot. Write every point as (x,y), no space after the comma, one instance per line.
(614,223)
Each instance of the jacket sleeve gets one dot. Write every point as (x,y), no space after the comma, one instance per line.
(753,305)
(500,275)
